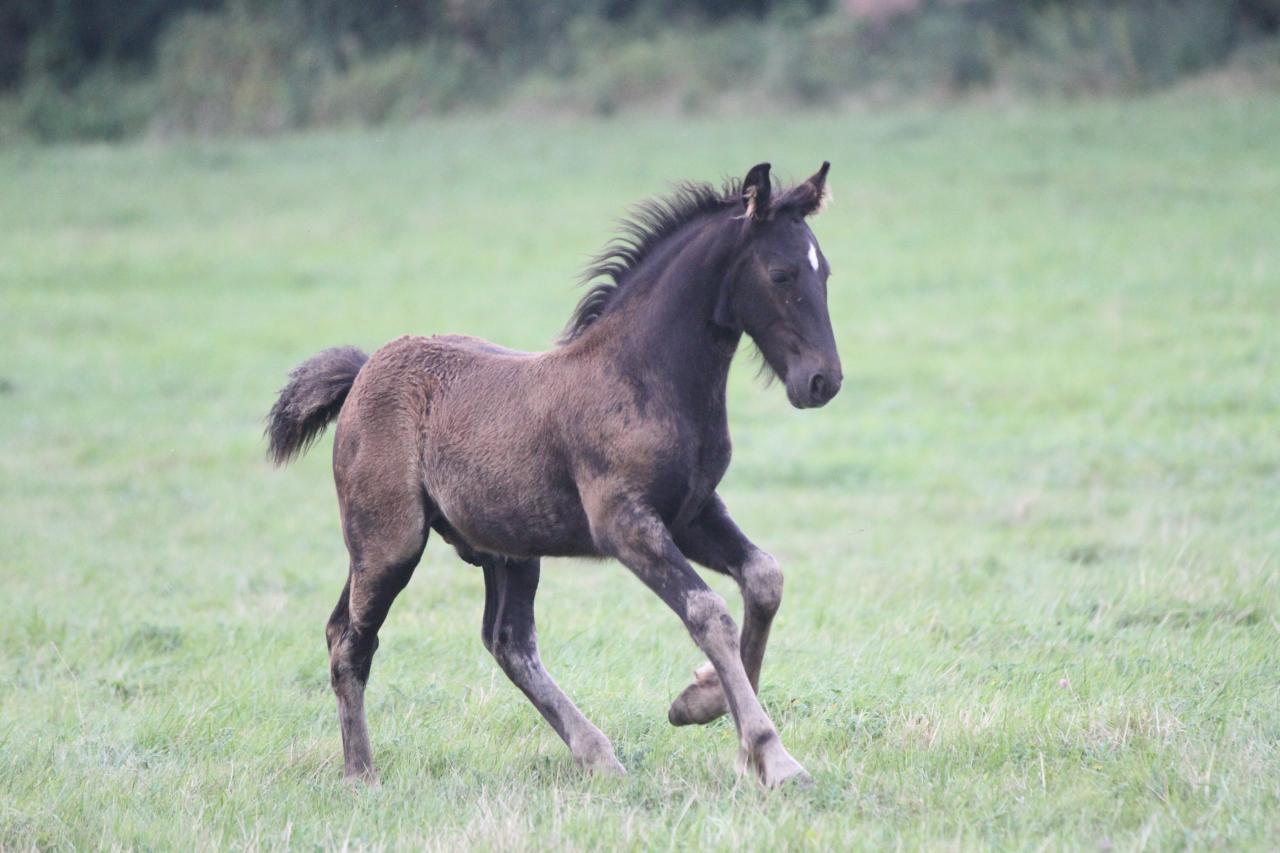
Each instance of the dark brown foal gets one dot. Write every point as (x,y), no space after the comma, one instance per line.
(610,444)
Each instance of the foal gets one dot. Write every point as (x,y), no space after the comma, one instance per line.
(610,444)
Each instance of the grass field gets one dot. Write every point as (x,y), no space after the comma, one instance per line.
(1031,549)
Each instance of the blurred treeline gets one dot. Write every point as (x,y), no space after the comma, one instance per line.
(114,68)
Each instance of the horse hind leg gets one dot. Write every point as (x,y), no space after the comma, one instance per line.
(511,636)
(385,546)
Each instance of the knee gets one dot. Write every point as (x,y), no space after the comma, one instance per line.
(762,583)
(709,621)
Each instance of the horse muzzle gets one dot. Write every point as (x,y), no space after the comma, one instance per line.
(813,387)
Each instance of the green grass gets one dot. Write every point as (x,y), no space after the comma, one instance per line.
(1031,549)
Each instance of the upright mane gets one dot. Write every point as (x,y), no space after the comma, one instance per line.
(647,225)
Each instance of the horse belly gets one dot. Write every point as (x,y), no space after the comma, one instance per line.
(523,509)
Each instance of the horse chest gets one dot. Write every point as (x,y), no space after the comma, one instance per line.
(696,469)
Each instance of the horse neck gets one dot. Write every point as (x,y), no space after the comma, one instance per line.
(668,324)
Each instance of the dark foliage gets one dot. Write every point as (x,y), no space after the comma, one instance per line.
(79,69)
(64,39)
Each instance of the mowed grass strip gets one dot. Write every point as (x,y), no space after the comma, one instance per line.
(1031,548)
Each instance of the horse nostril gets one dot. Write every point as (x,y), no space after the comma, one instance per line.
(818,387)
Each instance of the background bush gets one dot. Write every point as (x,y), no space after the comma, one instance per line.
(91,69)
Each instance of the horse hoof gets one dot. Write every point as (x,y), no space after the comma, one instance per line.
(597,759)
(700,702)
(792,776)
(801,781)
(604,766)
(363,778)
(775,768)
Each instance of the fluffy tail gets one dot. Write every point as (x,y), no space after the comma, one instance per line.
(311,399)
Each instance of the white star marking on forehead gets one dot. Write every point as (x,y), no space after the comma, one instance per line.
(813,256)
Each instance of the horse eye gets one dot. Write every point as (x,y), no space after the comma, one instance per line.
(781,276)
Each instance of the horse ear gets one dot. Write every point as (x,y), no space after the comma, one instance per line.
(815,199)
(757,187)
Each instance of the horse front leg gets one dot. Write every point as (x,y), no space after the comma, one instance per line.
(637,537)
(713,540)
